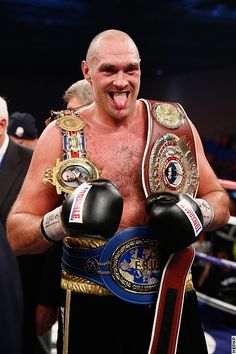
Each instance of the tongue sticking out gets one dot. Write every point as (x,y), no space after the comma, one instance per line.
(120,100)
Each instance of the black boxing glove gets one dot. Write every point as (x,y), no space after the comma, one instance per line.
(176,219)
(93,209)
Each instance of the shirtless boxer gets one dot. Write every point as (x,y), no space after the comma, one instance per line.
(115,128)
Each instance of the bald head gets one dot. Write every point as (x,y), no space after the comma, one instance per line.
(4,117)
(78,94)
(110,39)
(3,109)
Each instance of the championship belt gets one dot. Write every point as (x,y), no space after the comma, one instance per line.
(169,161)
(169,165)
(126,265)
(75,168)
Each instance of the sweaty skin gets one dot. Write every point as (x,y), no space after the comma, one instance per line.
(116,129)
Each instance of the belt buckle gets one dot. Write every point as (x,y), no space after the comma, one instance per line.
(134,267)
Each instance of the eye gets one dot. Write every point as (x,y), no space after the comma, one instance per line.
(110,69)
(131,68)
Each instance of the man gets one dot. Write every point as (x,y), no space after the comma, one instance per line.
(78,94)
(11,311)
(11,305)
(16,157)
(133,150)
(22,129)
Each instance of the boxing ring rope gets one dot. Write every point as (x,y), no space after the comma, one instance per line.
(216,261)
(228,184)
(218,304)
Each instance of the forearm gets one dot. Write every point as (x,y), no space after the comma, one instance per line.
(24,234)
(219,201)
(88,210)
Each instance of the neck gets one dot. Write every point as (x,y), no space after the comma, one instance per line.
(106,121)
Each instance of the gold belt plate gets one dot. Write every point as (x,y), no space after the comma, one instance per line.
(69,174)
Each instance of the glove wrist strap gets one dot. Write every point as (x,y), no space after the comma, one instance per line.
(51,226)
(44,235)
(207,211)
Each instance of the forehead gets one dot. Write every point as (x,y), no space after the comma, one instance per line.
(115,52)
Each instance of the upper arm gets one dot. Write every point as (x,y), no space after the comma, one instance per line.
(208,181)
(210,188)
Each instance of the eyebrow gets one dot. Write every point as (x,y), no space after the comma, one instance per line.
(111,67)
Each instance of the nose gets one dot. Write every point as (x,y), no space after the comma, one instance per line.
(120,81)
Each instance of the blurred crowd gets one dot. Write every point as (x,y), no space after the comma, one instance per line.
(221,153)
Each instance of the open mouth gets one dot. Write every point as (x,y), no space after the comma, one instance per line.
(119,98)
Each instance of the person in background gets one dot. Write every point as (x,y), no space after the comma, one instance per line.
(148,194)
(15,160)
(22,129)
(18,136)
(78,94)
(11,299)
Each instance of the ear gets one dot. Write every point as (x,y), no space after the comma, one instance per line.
(3,125)
(85,70)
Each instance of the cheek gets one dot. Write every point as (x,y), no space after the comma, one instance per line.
(99,86)
(98,94)
(136,80)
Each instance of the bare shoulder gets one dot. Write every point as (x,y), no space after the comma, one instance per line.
(49,147)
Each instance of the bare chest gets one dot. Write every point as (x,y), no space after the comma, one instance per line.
(118,156)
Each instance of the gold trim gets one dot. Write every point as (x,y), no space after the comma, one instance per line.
(188,283)
(81,285)
(84,243)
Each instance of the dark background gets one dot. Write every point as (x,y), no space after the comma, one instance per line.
(188,51)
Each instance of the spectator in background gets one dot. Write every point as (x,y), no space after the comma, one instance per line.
(11,305)
(78,94)
(15,159)
(22,129)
